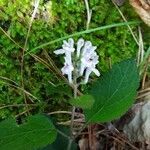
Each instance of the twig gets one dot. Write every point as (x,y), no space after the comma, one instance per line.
(145,72)
(10,38)
(7,79)
(17,105)
(143,95)
(131,145)
(73,109)
(24,112)
(120,140)
(89,14)
(90,135)
(63,134)
(26,92)
(141,49)
(65,112)
(123,17)
(144,90)
(59,112)
(73,113)
(24,49)
(79,121)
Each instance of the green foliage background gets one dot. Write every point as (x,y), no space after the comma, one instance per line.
(54,20)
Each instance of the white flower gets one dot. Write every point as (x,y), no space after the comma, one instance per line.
(87,45)
(67,69)
(35,11)
(67,49)
(89,71)
(59,51)
(80,44)
(68,46)
(88,58)
(36,3)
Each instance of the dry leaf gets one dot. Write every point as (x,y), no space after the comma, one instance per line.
(142,7)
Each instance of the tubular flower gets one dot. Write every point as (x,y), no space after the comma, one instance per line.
(87,59)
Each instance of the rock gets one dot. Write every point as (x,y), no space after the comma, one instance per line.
(138,129)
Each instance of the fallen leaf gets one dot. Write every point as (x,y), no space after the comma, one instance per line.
(142,8)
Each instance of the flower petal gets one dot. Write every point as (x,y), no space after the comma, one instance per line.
(70,78)
(86,47)
(65,43)
(59,51)
(80,44)
(96,72)
(67,69)
(82,68)
(71,42)
(87,74)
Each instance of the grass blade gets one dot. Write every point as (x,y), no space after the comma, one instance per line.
(83,32)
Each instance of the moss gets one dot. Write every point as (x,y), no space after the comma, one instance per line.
(65,18)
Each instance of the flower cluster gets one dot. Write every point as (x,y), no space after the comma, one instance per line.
(85,62)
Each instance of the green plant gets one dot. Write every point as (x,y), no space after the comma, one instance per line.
(28,135)
(43,88)
(51,23)
(113,94)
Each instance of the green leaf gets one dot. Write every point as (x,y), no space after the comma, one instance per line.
(84,101)
(57,145)
(114,92)
(37,132)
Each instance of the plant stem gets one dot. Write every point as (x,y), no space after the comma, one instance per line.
(72,119)
(89,14)
(23,53)
(69,144)
(75,89)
